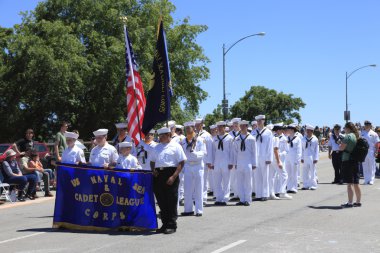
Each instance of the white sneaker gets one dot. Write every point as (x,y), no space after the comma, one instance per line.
(273,197)
(313,188)
(285,196)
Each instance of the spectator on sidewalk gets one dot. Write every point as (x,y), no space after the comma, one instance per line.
(25,143)
(60,141)
(12,175)
(46,174)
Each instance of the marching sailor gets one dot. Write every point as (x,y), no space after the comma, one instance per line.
(310,157)
(195,150)
(235,132)
(264,144)
(293,158)
(222,160)
(245,161)
(369,164)
(104,154)
(207,178)
(281,173)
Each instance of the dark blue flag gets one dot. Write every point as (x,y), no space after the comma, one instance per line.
(90,198)
(160,91)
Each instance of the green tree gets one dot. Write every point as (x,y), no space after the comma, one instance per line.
(66,61)
(277,106)
(215,116)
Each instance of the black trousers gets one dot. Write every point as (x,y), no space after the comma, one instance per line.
(337,164)
(167,197)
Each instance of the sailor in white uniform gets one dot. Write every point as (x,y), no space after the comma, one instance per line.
(293,158)
(264,144)
(235,132)
(369,164)
(195,150)
(245,161)
(72,154)
(310,157)
(207,178)
(104,154)
(222,161)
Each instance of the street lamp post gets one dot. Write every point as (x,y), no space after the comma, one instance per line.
(348,75)
(225,101)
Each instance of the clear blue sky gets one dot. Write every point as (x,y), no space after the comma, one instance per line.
(308,47)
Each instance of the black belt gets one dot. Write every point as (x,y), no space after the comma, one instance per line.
(164,168)
(336,151)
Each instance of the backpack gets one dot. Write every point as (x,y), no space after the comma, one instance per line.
(360,150)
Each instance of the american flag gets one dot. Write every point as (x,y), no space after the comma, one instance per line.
(135,93)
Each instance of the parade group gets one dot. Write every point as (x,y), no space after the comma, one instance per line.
(238,160)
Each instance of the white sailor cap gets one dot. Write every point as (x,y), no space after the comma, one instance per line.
(152,131)
(163,130)
(171,123)
(125,144)
(258,117)
(71,135)
(190,124)
(121,125)
(100,132)
(212,126)
(221,123)
(249,128)
(235,120)
(179,127)
(279,124)
(254,122)
(309,127)
(270,126)
(198,121)
(243,122)
(292,126)
(229,123)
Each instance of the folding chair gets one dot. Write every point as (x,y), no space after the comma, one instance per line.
(4,187)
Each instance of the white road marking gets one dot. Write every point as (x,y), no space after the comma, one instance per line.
(229,246)
(21,237)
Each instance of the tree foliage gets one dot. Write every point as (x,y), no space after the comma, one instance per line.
(66,61)
(277,106)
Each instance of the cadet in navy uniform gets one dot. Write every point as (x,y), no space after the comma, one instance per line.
(104,154)
(293,158)
(72,154)
(122,136)
(167,161)
(335,154)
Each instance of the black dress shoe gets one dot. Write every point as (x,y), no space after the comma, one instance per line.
(217,203)
(305,188)
(264,199)
(240,203)
(277,195)
(223,203)
(210,194)
(187,213)
(161,230)
(198,215)
(293,192)
(21,199)
(246,203)
(257,199)
(30,197)
(169,231)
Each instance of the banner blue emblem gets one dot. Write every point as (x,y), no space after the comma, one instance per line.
(91,198)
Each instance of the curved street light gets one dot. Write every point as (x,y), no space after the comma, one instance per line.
(348,75)
(225,101)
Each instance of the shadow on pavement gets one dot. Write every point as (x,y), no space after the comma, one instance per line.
(326,207)
(41,217)
(62,230)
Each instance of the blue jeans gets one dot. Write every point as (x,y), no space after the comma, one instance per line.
(21,182)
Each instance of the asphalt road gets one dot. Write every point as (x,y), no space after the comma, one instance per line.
(312,222)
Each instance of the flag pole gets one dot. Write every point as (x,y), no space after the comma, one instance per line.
(132,76)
